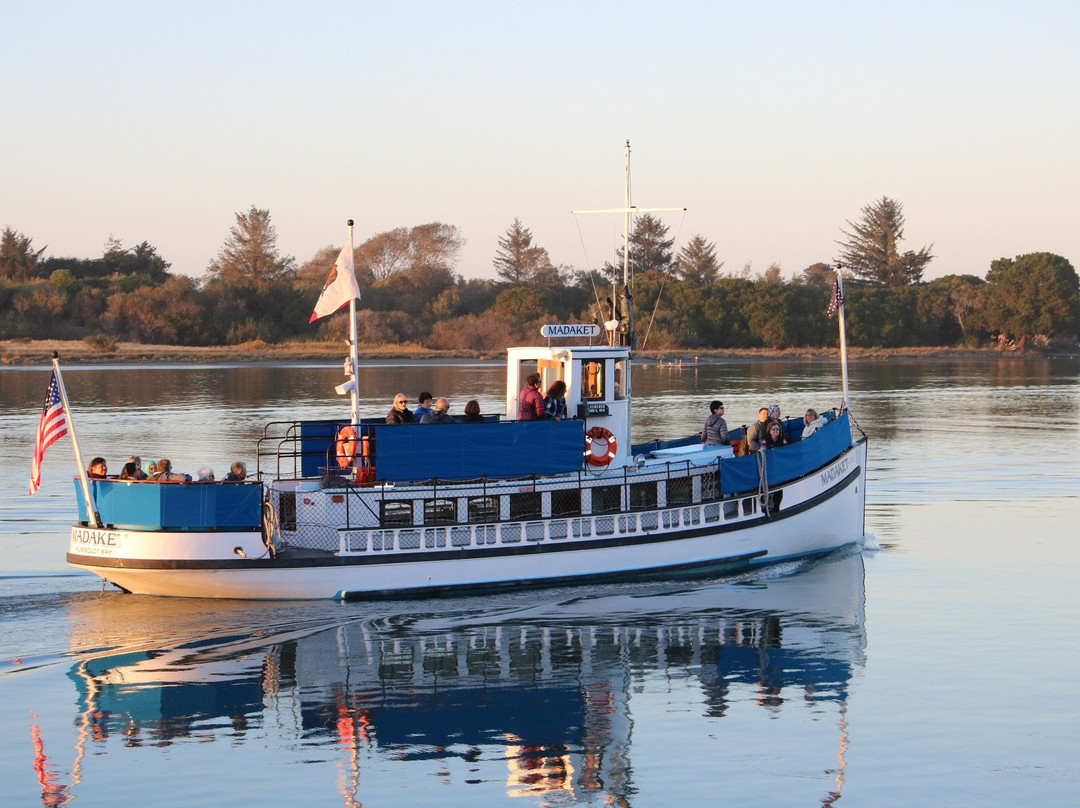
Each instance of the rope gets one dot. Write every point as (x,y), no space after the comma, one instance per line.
(592,279)
(271,527)
(763,481)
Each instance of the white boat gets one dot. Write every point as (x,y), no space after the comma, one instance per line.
(358,508)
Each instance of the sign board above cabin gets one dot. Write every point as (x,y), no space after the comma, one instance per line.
(570,330)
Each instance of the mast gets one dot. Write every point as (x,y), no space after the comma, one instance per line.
(354,357)
(838,303)
(623,325)
(92,515)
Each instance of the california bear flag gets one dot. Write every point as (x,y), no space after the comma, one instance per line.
(341,286)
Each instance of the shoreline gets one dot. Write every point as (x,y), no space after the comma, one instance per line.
(14,353)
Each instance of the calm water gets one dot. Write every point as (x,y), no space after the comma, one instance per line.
(937,670)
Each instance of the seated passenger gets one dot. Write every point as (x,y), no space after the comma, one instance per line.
(755,433)
(812,423)
(139,473)
(98,469)
(238,472)
(206,474)
(400,412)
(439,415)
(165,474)
(714,433)
(774,436)
(130,471)
(472,412)
(425,405)
(555,401)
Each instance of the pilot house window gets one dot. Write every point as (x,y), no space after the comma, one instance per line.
(592,379)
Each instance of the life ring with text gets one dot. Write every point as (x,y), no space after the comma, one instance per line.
(346,446)
(600,446)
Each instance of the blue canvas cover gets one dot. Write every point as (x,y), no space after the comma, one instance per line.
(739,474)
(147,505)
(470,451)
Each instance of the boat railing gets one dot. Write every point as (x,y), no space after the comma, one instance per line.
(541,507)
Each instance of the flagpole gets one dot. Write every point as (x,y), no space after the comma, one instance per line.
(354,357)
(843,339)
(91,508)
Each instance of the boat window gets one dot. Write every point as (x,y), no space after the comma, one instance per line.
(525,506)
(484,509)
(773,502)
(566,503)
(679,490)
(642,495)
(287,510)
(731,509)
(710,486)
(622,368)
(592,379)
(396,512)
(440,511)
(607,499)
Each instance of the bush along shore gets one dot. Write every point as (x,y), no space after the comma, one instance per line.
(94,351)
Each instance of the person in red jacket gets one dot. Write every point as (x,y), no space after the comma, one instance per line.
(530,400)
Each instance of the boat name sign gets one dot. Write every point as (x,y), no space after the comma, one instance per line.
(570,330)
(92,541)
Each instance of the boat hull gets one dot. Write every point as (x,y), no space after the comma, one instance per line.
(827,514)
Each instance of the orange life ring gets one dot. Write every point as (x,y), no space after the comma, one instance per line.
(600,446)
(346,446)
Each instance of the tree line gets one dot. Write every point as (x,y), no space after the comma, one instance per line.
(412,293)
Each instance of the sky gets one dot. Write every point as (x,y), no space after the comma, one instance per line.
(773,123)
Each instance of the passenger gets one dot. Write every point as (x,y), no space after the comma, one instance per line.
(530,402)
(165,474)
(812,423)
(131,471)
(440,414)
(206,474)
(774,436)
(472,412)
(98,469)
(714,433)
(774,412)
(555,401)
(425,406)
(238,471)
(755,434)
(400,412)
(139,473)
(151,470)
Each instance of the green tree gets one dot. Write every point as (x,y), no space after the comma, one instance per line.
(696,262)
(432,246)
(141,261)
(650,249)
(1037,294)
(250,255)
(518,260)
(18,259)
(819,274)
(967,302)
(871,249)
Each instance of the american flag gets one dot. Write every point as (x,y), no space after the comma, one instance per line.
(51,427)
(837,299)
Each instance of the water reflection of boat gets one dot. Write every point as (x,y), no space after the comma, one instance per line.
(541,698)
